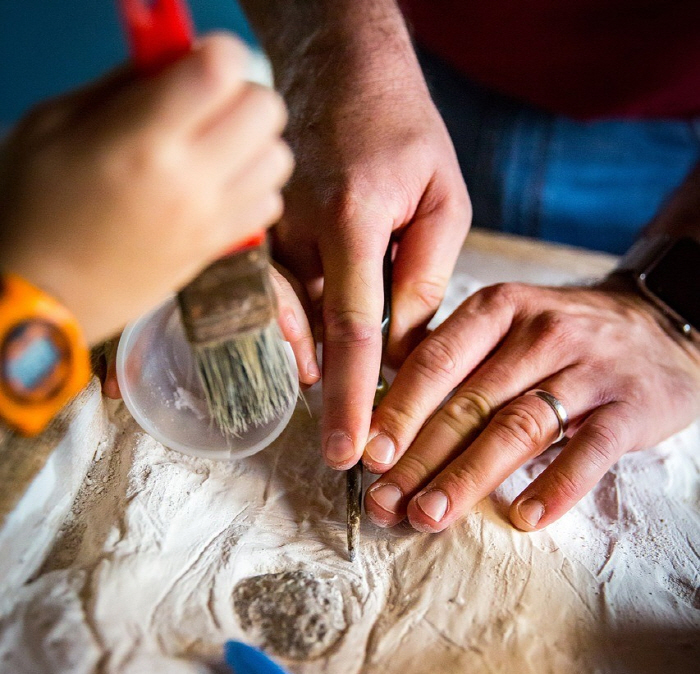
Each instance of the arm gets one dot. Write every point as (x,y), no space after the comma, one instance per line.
(373,160)
(302,37)
(117,194)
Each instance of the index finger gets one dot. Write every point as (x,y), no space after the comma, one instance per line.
(437,365)
(352,342)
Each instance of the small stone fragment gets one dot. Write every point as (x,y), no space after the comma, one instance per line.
(292,614)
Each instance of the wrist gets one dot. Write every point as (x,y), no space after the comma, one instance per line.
(623,284)
(334,45)
(666,271)
(58,281)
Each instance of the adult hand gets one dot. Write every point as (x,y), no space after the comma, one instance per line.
(116,195)
(293,322)
(373,160)
(626,377)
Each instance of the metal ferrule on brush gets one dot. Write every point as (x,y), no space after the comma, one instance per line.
(231,297)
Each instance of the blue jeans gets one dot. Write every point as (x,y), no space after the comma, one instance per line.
(530,172)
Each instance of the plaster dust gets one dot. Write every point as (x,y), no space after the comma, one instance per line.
(144,574)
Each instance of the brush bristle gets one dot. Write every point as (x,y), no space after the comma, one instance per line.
(247,380)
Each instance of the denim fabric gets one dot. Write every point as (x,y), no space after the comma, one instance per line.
(592,184)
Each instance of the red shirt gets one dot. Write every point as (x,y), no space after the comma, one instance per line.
(582,58)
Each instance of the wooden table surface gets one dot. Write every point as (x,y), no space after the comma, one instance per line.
(520,250)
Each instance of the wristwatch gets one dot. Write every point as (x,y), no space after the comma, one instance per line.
(44,359)
(667,272)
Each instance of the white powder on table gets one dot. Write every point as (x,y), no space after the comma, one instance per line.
(145,571)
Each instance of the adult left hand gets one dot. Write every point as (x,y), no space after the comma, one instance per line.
(623,373)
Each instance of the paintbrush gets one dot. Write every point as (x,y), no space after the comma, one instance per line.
(354,475)
(229,311)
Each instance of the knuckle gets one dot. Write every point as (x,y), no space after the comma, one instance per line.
(356,208)
(553,327)
(349,327)
(397,419)
(567,486)
(429,291)
(217,55)
(435,358)
(412,469)
(146,154)
(602,445)
(274,209)
(488,295)
(521,426)
(463,480)
(268,105)
(631,390)
(456,208)
(467,409)
(283,162)
(500,295)
(460,209)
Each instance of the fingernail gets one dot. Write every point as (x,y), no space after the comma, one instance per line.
(380,449)
(433,503)
(387,496)
(339,448)
(531,510)
(312,369)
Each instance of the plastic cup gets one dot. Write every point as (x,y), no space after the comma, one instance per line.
(161,388)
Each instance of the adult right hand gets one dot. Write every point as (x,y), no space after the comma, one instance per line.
(374,160)
(120,193)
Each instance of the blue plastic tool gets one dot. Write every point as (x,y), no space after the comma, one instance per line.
(244,659)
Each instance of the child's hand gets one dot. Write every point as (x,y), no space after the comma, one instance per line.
(114,196)
(293,322)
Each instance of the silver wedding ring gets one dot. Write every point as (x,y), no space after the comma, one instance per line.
(558,409)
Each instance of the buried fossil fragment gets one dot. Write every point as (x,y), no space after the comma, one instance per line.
(292,614)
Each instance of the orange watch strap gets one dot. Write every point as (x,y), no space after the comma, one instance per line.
(44,359)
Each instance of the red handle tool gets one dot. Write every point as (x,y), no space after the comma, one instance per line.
(159,31)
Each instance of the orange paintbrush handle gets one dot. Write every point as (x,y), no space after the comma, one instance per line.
(251,242)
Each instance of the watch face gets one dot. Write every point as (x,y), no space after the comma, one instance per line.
(35,361)
(675,280)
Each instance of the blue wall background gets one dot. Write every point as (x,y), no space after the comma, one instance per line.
(50,46)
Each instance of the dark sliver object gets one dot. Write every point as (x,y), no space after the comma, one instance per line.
(354,482)
(354,475)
